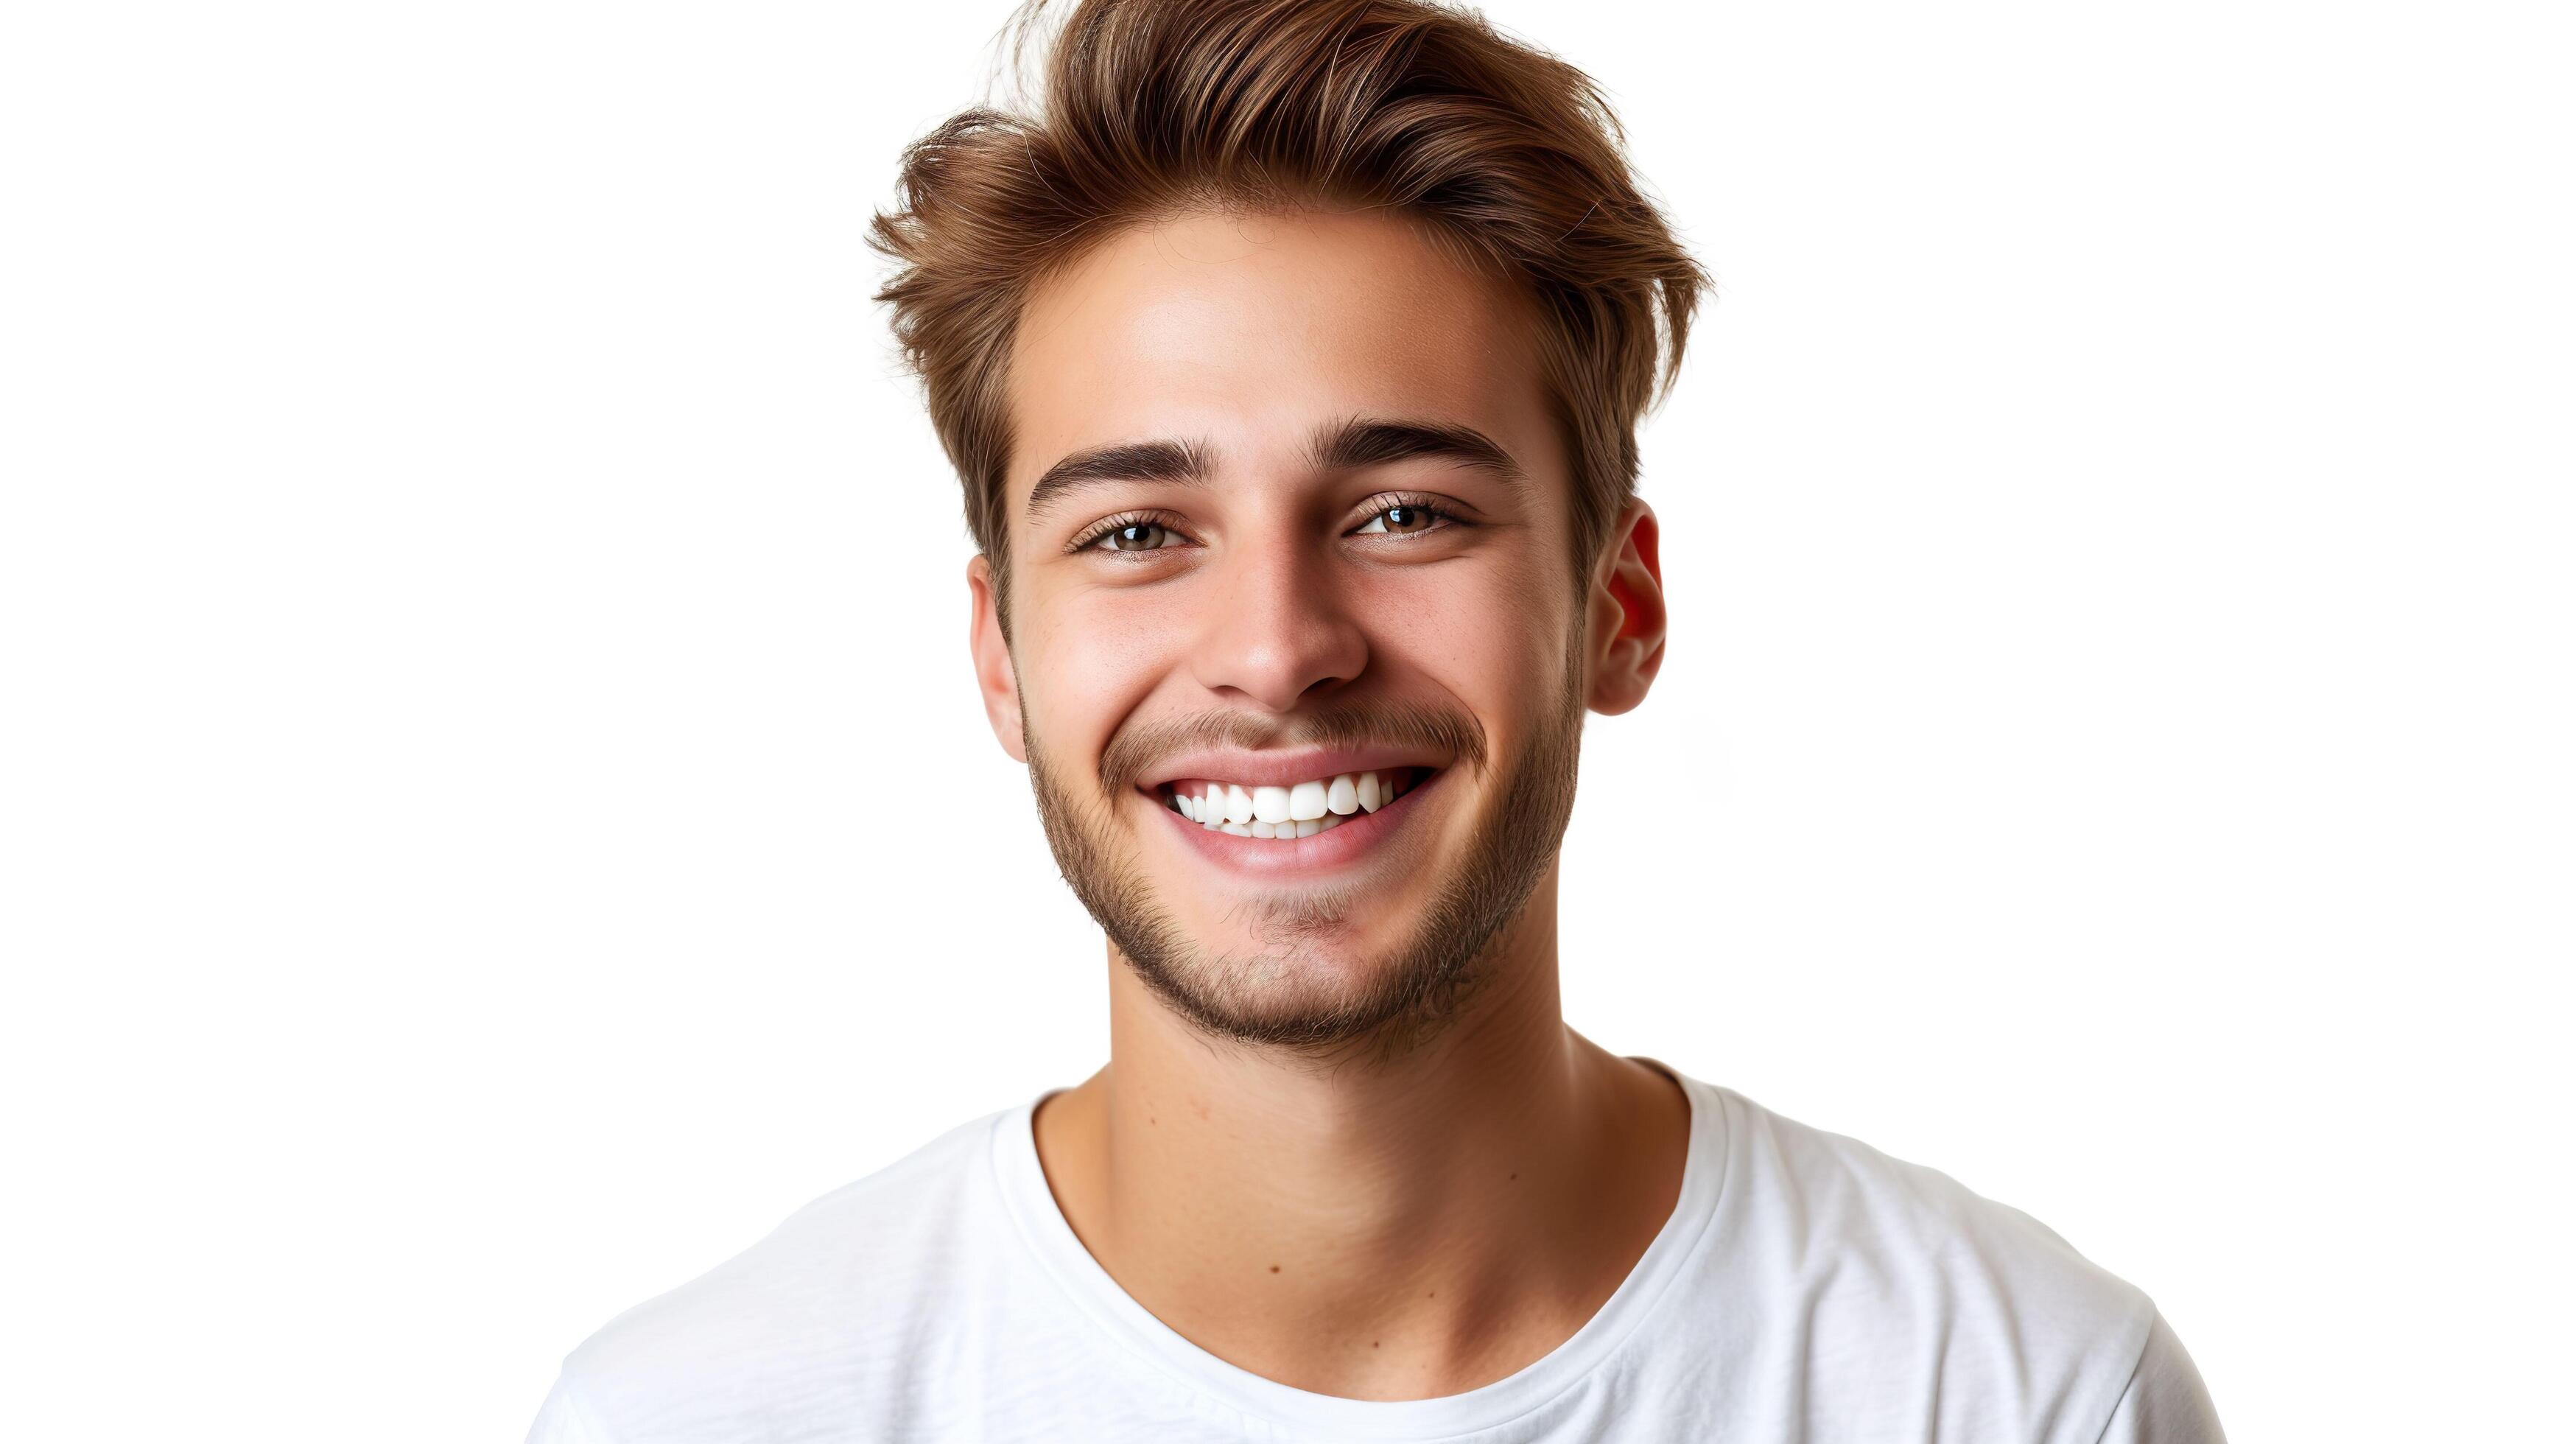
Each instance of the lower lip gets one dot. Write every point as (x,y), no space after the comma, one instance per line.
(1331,848)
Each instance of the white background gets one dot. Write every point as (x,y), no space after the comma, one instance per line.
(493,814)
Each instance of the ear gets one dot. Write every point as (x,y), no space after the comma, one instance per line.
(1626,614)
(994,675)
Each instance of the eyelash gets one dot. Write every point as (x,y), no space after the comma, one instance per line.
(1442,516)
(1107,526)
(1378,506)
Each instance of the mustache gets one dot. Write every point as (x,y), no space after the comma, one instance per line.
(1350,724)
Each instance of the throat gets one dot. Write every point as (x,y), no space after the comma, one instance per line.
(1364,1248)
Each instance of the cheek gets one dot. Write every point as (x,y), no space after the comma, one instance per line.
(1090,665)
(1490,632)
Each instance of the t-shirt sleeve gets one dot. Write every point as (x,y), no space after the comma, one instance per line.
(562,1420)
(2165,1403)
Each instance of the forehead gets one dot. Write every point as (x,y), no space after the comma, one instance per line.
(1248,331)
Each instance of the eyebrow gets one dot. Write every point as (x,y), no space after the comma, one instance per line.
(1343,446)
(1181,461)
(1372,441)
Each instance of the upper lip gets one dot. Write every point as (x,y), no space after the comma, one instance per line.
(1284,768)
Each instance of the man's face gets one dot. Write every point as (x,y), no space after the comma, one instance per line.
(1297,651)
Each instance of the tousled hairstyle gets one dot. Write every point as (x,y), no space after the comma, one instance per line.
(1151,108)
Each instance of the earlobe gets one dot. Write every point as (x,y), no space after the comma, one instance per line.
(1627,614)
(995,677)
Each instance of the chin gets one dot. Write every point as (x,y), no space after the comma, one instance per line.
(1292,936)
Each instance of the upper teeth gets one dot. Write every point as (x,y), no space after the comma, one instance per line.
(1302,810)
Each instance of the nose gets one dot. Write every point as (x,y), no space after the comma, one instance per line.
(1281,631)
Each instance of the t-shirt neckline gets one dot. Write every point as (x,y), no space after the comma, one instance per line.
(1042,1227)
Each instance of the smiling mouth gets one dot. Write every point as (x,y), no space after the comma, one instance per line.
(1301,810)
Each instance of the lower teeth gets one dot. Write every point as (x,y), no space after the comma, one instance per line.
(1325,823)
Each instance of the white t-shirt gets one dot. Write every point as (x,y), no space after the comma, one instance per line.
(1806,1288)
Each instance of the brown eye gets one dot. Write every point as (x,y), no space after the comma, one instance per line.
(1144,536)
(1401,521)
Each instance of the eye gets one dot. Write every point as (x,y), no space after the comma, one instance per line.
(1143,536)
(1402,519)
(1131,534)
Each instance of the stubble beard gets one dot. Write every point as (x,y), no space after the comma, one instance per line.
(1275,998)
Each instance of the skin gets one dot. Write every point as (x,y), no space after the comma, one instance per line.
(1379,1207)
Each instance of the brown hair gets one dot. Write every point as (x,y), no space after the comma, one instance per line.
(1150,107)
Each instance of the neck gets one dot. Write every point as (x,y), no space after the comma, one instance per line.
(1391,1227)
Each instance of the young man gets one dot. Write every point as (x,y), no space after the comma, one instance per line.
(1291,358)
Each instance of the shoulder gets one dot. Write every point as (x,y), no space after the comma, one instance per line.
(2165,1401)
(1833,1196)
(826,1302)
(1908,1272)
